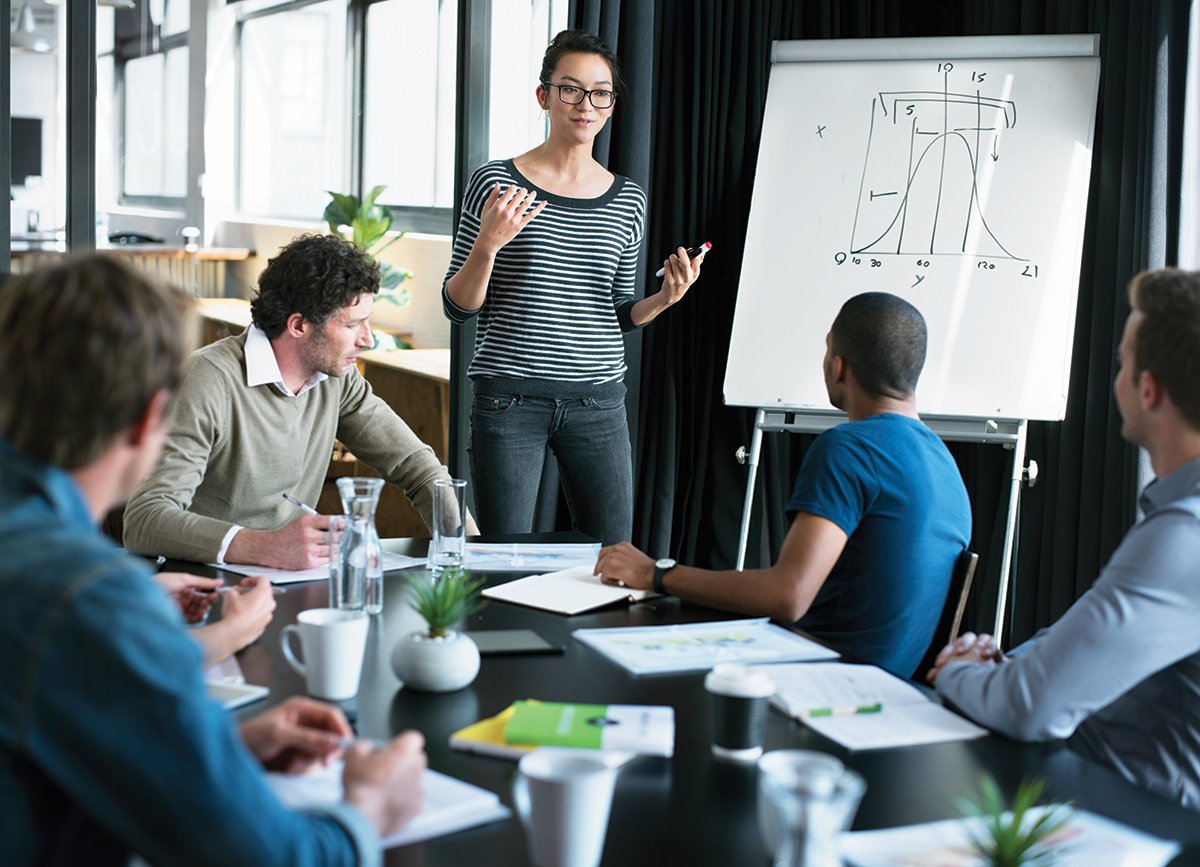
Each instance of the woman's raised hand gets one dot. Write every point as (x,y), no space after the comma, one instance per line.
(505,214)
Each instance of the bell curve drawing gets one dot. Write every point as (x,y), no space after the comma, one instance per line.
(947,137)
(951,172)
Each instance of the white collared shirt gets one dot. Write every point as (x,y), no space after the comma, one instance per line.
(262,368)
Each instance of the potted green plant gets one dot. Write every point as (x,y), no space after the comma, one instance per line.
(438,658)
(369,224)
(1018,835)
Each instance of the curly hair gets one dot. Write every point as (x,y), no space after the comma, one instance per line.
(581,42)
(315,276)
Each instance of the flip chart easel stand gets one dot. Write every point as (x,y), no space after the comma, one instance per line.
(1007,432)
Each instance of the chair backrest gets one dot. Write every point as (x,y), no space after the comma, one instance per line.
(956,598)
(950,623)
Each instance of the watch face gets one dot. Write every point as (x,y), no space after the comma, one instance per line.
(665,563)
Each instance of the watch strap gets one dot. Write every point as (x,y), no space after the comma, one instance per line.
(660,574)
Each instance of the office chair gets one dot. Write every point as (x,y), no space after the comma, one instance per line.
(950,623)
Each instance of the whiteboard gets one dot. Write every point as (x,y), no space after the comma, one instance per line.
(951,172)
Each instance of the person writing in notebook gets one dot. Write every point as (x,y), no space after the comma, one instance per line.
(109,744)
(879,511)
(1119,673)
(257,415)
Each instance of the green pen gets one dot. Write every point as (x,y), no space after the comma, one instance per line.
(845,710)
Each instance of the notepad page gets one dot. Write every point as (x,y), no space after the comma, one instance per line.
(450,805)
(804,687)
(391,561)
(907,717)
(568,591)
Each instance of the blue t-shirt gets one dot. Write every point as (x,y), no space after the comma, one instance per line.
(891,485)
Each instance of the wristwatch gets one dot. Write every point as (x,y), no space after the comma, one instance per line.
(661,568)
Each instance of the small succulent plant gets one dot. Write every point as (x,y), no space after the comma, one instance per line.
(1010,836)
(445,600)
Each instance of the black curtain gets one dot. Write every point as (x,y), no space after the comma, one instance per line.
(1073,520)
(625,145)
(712,62)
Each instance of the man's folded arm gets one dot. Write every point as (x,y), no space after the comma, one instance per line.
(1137,619)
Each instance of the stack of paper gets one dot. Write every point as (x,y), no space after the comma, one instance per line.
(700,646)
(450,805)
(1087,840)
(391,561)
(571,591)
(528,556)
(863,707)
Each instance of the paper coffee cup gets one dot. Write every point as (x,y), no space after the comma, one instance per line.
(738,697)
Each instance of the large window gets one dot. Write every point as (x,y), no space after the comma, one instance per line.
(150,57)
(292,119)
(408,117)
(299,104)
(521,30)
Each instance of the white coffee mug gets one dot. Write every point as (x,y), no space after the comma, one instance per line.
(332,642)
(563,798)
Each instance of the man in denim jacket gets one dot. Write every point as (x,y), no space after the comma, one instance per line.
(108,743)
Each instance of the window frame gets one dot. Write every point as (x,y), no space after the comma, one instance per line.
(129,48)
(409,218)
(267,10)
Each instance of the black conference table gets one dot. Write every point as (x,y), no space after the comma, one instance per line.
(690,809)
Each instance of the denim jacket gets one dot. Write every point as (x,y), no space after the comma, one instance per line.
(108,742)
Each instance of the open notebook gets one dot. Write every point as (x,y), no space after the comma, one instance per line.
(863,707)
(568,591)
(450,805)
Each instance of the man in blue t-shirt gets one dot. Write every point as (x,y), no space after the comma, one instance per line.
(879,512)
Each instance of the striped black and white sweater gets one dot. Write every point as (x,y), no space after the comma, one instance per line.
(560,292)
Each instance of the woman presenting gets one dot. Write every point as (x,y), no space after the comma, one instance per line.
(546,256)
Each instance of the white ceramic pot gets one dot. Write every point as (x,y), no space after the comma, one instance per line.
(435,664)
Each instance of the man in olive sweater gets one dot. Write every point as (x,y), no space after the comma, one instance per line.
(257,415)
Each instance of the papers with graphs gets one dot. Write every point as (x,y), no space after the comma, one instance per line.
(700,646)
(1087,840)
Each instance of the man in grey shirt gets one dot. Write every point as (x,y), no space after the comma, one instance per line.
(1119,673)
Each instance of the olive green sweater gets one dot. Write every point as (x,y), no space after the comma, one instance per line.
(234,450)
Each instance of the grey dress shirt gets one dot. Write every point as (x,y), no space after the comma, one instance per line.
(1119,672)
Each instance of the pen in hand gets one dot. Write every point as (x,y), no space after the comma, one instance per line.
(346,743)
(692,253)
(304,507)
(237,588)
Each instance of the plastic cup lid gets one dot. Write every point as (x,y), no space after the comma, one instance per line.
(740,681)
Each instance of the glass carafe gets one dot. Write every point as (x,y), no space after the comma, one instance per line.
(360,555)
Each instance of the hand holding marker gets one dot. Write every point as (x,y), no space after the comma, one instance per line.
(692,253)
